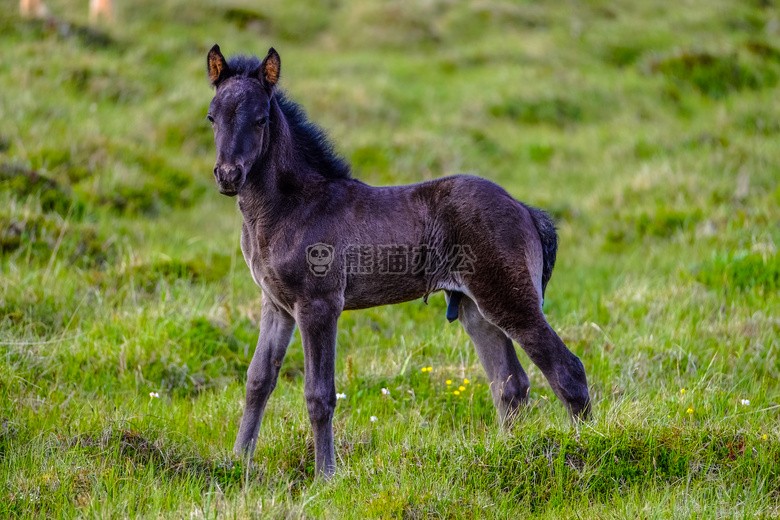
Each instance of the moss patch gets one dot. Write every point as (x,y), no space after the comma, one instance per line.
(24,183)
(713,75)
(741,271)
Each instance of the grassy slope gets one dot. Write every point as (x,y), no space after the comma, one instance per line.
(649,129)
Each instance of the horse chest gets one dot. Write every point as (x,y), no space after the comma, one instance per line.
(257,257)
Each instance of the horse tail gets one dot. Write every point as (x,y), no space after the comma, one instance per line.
(549,238)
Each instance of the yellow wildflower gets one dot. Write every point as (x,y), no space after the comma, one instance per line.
(764,437)
(449,382)
(466,381)
(456,392)
(682,390)
(461,388)
(689,410)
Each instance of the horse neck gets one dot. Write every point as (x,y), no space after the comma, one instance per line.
(274,185)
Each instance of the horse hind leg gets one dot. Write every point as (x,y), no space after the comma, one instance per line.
(509,383)
(519,314)
(563,370)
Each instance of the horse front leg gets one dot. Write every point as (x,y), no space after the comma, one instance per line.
(276,330)
(318,321)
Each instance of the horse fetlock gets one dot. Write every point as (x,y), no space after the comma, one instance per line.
(321,417)
(577,400)
(510,396)
(244,448)
(571,386)
(514,390)
(325,465)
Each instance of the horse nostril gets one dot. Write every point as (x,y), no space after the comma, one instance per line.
(234,174)
(228,176)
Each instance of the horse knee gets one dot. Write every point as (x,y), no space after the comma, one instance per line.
(320,404)
(259,385)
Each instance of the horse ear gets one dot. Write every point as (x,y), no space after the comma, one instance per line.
(270,68)
(216,66)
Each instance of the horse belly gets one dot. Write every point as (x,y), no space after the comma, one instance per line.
(364,291)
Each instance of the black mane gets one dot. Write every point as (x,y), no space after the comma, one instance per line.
(309,139)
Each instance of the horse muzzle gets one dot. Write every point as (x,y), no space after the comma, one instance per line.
(229,179)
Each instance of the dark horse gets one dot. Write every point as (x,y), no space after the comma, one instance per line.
(318,241)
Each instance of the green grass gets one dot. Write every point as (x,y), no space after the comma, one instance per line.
(648,129)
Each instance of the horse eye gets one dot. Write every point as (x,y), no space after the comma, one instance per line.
(211,119)
(262,121)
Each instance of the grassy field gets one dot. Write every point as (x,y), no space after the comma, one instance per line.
(649,129)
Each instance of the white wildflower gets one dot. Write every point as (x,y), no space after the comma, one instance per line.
(746,402)
(154,395)
(374,418)
(385,391)
(341,396)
